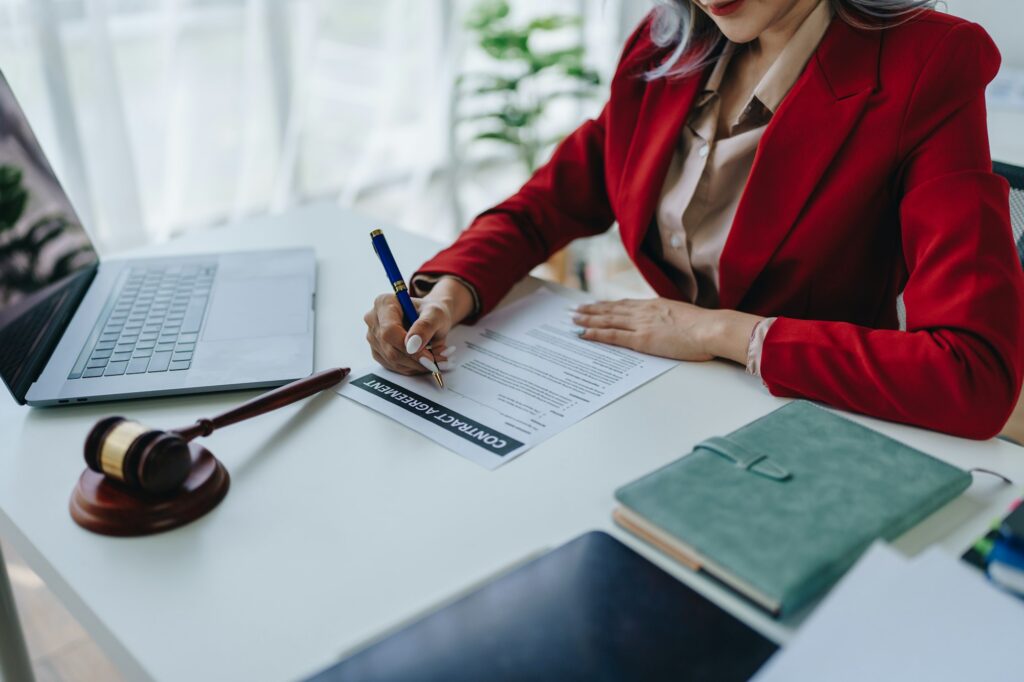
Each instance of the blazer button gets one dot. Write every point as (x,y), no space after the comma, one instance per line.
(676,241)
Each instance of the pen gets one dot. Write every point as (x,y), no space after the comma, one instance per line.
(380,246)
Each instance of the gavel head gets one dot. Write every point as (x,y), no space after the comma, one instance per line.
(141,458)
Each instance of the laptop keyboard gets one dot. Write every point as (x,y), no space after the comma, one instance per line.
(153,324)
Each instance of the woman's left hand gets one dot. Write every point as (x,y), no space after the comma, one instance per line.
(671,329)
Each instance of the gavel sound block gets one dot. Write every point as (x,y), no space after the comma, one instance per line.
(141,481)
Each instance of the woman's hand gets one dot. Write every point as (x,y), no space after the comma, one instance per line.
(406,352)
(671,329)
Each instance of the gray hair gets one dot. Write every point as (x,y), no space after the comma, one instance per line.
(694,38)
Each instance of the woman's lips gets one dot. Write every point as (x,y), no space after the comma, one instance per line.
(722,9)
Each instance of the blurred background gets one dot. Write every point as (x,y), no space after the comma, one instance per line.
(168,116)
(163,116)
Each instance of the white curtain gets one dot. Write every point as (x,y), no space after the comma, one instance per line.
(161,116)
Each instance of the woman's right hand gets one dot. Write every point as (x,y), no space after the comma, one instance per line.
(406,352)
(448,303)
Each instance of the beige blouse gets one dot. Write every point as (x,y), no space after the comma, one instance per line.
(709,169)
(709,172)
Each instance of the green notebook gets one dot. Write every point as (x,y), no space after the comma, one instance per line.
(782,507)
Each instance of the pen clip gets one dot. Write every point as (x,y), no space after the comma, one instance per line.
(754,462)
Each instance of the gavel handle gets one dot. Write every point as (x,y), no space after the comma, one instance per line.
(268,402)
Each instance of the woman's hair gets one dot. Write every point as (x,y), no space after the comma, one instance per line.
(694,38)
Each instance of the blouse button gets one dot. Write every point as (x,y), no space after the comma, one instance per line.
(704,151)
(676,241)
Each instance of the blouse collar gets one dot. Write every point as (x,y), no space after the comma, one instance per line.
(784,72)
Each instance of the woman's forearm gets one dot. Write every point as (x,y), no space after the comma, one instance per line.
(728,334)
(455,295)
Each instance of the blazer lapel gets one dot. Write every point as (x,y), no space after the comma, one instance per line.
(655,136)
(797,147)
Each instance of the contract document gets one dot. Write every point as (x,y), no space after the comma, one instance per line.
(522,376)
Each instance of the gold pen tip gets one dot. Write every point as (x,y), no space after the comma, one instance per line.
(438,379)
(376,232)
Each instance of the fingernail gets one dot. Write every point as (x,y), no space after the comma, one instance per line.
(579,331)
(427,365)
(447,352)
(413,344)
(446,366)
(575,318)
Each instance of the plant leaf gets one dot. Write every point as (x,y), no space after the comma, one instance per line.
(65,265)
(553,22)
(13,196)
(485,13)
(506,45)
(545,60)
(45,230)
(497,84)
(580,72)
(499,136)
(511,116)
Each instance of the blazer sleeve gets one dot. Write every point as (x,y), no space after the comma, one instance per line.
(565,199)
(957,367)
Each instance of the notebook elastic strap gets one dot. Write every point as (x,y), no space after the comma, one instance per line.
(754,462)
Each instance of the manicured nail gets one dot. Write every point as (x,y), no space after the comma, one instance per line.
(427,365)
(446,366)
(447,352)
(413,344)
(579,331)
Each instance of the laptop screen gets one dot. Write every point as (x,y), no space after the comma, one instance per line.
(46,258)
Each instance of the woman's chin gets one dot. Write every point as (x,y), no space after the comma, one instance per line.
(739,33)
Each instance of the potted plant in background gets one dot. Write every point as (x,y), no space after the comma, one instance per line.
(512,105)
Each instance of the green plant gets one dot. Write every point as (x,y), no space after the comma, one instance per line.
(21,266)
(518,94)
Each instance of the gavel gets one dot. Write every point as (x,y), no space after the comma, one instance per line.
(158,462)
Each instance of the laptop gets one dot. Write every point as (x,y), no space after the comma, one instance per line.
(75,328)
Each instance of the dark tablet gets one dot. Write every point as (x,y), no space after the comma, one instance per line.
(592,609)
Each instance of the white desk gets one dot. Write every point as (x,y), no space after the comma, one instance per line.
(341,525)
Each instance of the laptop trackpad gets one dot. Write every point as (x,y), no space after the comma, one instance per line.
(258,307)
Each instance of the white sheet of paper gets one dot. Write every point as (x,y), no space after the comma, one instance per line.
(931,618)
(522,376)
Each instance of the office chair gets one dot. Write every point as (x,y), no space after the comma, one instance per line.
(1015,176)
(1014,429)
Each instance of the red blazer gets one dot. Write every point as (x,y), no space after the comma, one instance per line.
(873,177)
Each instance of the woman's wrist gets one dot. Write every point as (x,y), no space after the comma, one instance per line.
(727,334)
(455,296)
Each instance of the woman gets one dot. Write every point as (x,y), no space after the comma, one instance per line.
(780,171)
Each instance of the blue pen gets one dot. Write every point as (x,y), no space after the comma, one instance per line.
(380,245)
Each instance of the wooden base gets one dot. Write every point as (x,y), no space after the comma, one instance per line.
(108,508)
